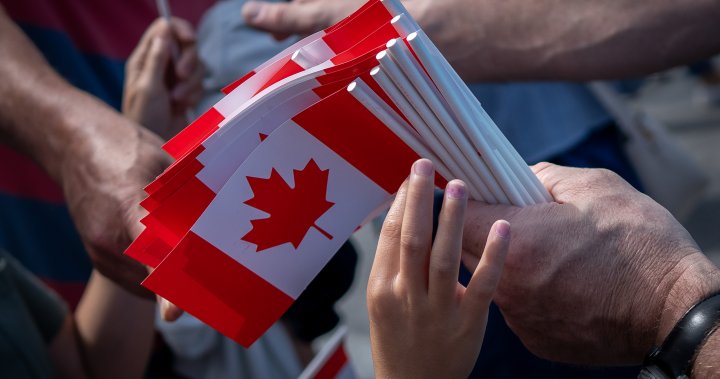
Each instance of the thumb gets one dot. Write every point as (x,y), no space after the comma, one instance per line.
(285,18)
(157,59)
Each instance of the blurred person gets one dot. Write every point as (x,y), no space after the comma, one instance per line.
(517,40)
(73,167)
(423,324)
(108,336)
(708,91)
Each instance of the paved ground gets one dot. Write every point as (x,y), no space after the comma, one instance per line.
(671,98)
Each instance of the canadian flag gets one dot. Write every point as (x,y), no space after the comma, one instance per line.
(364,30)
(282,215)
(178,197)
(331,362)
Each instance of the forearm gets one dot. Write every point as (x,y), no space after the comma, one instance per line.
(114,330)
(573,40)
(40,113)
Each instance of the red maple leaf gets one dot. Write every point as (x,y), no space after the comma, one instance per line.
(293,211)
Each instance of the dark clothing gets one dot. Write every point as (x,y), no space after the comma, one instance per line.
(30,317)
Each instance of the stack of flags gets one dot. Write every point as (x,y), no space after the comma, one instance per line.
(303,150)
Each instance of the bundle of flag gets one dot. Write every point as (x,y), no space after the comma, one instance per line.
(303,150)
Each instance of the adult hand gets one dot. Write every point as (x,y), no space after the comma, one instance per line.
(163,77)
(297,16)
(308,16)
(423,324)
(103,176)
(597,277)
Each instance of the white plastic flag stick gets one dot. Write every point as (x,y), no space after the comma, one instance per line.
(402,103)
(526,176)
(399,52)
(381,78)
(164,11)
(330,348)
(434,134)
(368,98)
(440,70)
(525,198)
(480,142)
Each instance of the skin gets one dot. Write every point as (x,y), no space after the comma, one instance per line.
(101,159)
(540,40)
(600,275)
(423,324)
(159,91)
(109,336)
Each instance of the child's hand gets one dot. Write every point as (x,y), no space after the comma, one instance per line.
(423,323)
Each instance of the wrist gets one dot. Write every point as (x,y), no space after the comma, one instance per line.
(708,356)
(697,279)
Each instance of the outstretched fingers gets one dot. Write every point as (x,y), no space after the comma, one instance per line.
(485,279)
(447,247)
(416,231)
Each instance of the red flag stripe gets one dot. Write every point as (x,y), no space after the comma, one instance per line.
(174,217)
(288,69)
(333,365)
(353,132)
(230,87)
(208,284)
(148,249)
(194,134)
(377,38)
(358,27)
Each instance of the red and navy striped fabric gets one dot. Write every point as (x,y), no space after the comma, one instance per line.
(87,42)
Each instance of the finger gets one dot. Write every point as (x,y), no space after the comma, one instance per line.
(169,311)
(285,18)
(187,62)
(137,60)
(187,91)
(486,277)
(156,61)
(183,31)
(445,254)
(479,219)
(387,260)
(416,231)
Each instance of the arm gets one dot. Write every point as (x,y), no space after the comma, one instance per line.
(110,335)
(597,277)
(521,40)
(423,324)
(99,158)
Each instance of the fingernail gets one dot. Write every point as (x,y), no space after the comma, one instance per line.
(502,229)
(251,10)
(455,189)
(423,167)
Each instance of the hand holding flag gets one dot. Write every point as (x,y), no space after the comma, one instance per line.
(300,153)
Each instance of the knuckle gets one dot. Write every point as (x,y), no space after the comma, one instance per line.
(391,227)
(411,242)
(444,267)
